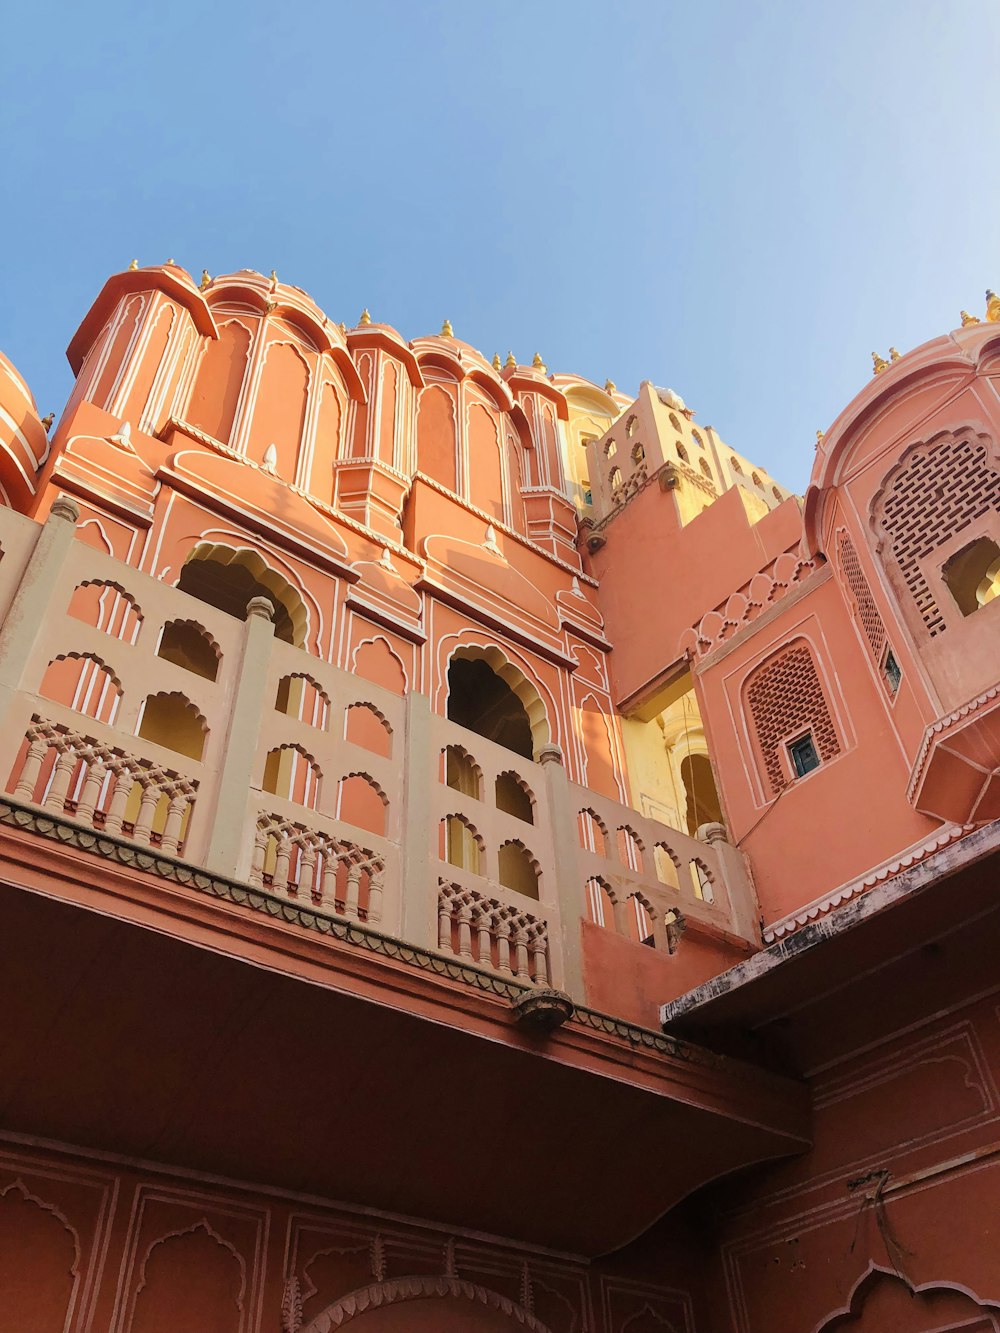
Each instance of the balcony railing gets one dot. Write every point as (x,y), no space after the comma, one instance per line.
(317,786)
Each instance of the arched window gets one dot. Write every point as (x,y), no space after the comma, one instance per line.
(366,726)
(682,453)
(188,645)
(108,607)
(973,575)
(514,797)
(461,772)
(171,720)
(786,706)
(755,478)
(600,903)
(593,832)
(630,848)
(706,470)
(490,696)
(292,774)
(701,881)
(610,449)
(301,697)
(631,425)
(638,454)
(674,421)
(640,919)
(518,869)
(917,513)
(615,480)
(460,844)
(736,465)
(362,803)
(667,866)
(697,439)
(228,578)
(776,493)
(84,683)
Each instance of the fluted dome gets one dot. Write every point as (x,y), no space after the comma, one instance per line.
(23,441)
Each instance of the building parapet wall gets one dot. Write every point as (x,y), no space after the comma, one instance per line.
(302,780)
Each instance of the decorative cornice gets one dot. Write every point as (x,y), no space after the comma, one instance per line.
(889,870)
(500,526)
(31,819)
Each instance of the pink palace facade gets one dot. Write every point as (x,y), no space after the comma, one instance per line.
(478,853)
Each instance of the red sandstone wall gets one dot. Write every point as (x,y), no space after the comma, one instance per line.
(90,1246)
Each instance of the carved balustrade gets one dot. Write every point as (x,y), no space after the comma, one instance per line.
(493,934)
(317,869)
(104,787)
(366,837)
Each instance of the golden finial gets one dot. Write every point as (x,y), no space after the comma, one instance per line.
(879,363)
(172,263)
(538,364)
(47,421)
(343,328)
(968,319)
(819,438)
(446,330)
(133,266)
(610,386)
(496,362)
(992,307)
(510,363)
(274,278)
(893,354)
(206,278)
(365,319)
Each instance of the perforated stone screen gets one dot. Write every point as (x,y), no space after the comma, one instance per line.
(936,492)
(784,696)
(868,613)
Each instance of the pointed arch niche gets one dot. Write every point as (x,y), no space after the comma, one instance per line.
(436,442)
(490,696)
(216,393)
(279,411)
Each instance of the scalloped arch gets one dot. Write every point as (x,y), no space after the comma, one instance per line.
(517,681)
(380,1294)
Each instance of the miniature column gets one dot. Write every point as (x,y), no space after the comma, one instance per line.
(230,846)
(744,910)
(419,888)
(569,888)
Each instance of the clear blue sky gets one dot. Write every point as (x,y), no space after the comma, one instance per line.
(739,200)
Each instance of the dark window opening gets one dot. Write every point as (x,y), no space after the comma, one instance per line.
(480,701)
(892,671)
(804,755)
(229,587)
(973,575)
(703,805)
